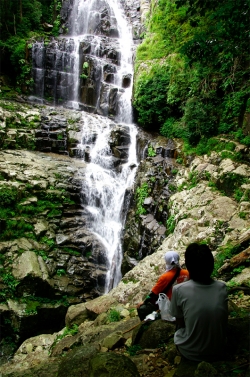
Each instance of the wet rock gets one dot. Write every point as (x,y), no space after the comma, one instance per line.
(126,81)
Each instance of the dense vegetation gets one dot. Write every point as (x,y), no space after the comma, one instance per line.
(193,68)
(20,20)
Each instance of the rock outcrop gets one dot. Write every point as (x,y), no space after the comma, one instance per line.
(49,258)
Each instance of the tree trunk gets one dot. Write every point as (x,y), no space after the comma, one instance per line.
(14,23)
(55,10)
(21,10)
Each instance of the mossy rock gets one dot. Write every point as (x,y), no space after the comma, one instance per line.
(153,333)
(110,365)
(76,362)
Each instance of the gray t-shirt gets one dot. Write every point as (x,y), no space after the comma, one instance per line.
(204,309)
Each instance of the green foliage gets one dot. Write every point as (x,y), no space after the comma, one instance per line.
(88,254)
(55,213)
(170,224)
(68,331)
(71,251)
(243,215)
(230,183)
(192,181)
(44,300)
(174,171)
(238,194)
(113,316)
(16,229)
(61,272)
(9,280)
(238,270)
(130,280)
(232,284)
(225,253)
(58,175)
(151,151)
(225,147)
(192,80)
(31,306)
(241,137)
(20,21)
(171,187)
(8,196)
(60,137)
(132,350)
(84,74)
(42,254)
(141,194)
(11,284)
(48,241)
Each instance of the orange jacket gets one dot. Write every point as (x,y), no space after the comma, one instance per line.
(165,278)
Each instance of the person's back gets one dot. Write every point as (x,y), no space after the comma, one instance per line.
(200,304)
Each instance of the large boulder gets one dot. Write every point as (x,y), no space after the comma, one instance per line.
(152,334)
(99,305)
(76,362)
(110,364)
(76,314)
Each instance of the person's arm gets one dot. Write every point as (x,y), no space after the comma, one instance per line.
(150,298)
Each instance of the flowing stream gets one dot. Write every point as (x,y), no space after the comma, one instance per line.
(92,70)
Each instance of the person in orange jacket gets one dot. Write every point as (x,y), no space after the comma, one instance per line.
(174,275)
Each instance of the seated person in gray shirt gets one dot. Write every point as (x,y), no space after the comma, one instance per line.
(200,308)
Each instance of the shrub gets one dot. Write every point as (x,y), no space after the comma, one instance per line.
(114,316)
(225,253)
(141,194)
(8,196)
(170,224)
(151,151)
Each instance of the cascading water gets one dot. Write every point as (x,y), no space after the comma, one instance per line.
(105,185)
(92,70)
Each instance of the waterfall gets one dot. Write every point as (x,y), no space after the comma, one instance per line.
(92,70)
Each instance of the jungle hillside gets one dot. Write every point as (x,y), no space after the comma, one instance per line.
(20,22)
(192,71)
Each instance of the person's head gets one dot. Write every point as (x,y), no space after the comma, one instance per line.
(199,261)
(172,260)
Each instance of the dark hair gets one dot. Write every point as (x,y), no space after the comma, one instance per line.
(199,261)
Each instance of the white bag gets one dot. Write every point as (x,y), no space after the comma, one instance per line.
(151,316)
(164,306)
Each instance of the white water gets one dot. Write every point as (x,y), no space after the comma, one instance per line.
(57,69)
(105,186)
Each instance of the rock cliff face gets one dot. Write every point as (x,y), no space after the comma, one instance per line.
(49,258)
(83,70)
(146,220)
(199,210)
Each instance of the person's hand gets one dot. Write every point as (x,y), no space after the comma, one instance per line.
(140,304)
